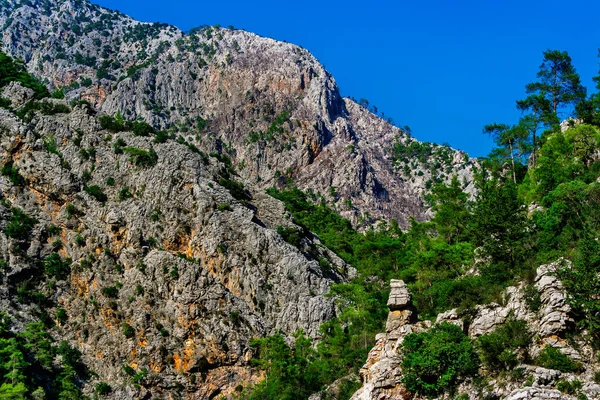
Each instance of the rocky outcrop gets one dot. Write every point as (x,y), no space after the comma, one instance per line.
(271,106)
(382,373)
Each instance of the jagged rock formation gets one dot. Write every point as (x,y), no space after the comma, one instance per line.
(270,105)
(382,373)
(155,243)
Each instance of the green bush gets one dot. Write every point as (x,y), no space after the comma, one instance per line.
(124,194)
(128,330)
(569,387)
(102,389)
(141,157)
(20,225)
(14,71)
(12,174)
(438,359)
(111,292)
(72,211)
(56,267)
(552,358)
(96,192)
(291,235)
(498,349)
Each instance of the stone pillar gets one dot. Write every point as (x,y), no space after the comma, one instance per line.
(401,310)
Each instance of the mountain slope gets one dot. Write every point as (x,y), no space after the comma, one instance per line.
(270,105)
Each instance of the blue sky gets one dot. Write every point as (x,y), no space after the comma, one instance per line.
(445,68)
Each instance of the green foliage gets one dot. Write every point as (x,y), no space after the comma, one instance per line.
(125,194)
(96,192)
(14,71)
(552,358)
(141,157)
(221,207)
(533,298)
(292,372)
(290,235)
(582,281)
(111,292)
(12,174)
(569,387)
(235,188)
(438,359)
(127,330)
(20,225)
(498,350)
(72,211)
(56,267)
(58,94)
(102,389)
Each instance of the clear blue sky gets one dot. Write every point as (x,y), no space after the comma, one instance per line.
(445,68)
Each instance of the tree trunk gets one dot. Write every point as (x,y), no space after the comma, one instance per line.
(512,157)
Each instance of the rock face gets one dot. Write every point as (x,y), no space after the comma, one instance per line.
(163,266)
(382,373)
(271,106)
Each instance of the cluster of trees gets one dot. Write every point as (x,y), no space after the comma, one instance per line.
(534,163)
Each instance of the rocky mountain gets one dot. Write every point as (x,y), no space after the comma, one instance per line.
(270,106)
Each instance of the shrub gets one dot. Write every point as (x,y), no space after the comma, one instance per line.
(532,298)
(12,174)
(128,330)
(142,129)
(235,188)
(111,292)
(11,70)
(290,235)
(118,146)
(124,194)
(72,211)
(56,267)
(161,137)
(497,349)
(569,387)
(96,192)
(141,157)
(53,230)
(61,315)
(224,207)
(552,358)
(437,359)
(102,389)
(20,225)
(80,241)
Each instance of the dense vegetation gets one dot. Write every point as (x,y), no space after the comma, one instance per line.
(535,163)
(14,71)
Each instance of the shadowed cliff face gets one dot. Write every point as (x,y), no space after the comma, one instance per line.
(270,105)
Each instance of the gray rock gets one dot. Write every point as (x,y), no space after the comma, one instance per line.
(400,297)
